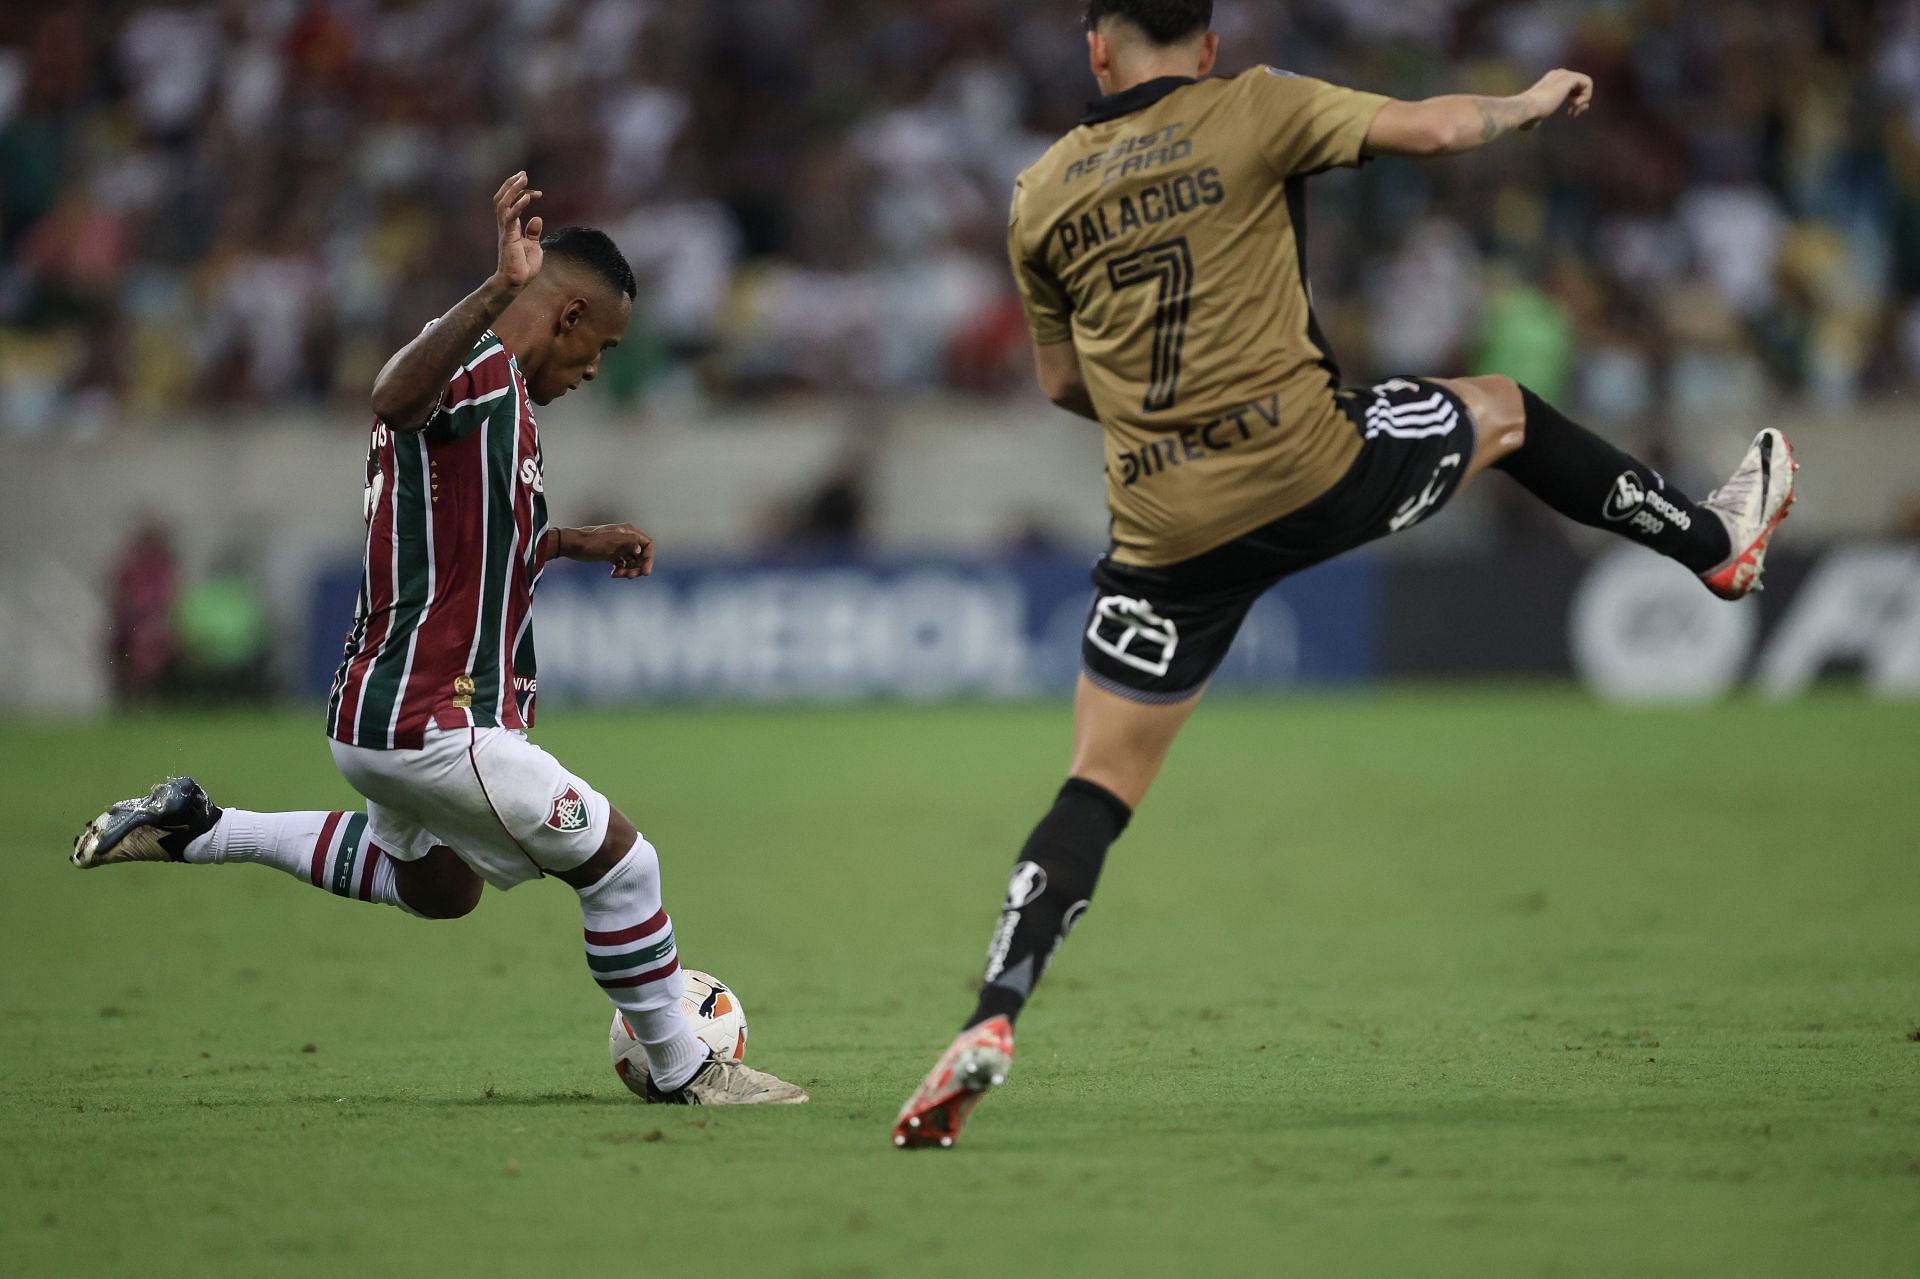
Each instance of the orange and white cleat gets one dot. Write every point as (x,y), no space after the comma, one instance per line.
(977,1060)
(1751,504)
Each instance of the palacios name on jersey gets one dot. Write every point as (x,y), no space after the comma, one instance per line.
(1149,207)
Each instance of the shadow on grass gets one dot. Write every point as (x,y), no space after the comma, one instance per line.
(416,1101)
(542,1099)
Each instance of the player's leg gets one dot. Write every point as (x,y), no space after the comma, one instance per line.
(1154,637)
(372,856)
(340,852)
(1119,746)
(630,947)
(541,819)
(1723,538)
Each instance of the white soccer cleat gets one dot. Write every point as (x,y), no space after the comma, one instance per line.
(726,1082)
(978,1059)
(155,827)
(1751,504)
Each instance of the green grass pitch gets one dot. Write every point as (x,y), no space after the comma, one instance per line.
(1429,983)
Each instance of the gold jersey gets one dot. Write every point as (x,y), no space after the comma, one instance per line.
(1166,238)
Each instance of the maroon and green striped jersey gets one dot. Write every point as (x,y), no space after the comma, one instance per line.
(456,515)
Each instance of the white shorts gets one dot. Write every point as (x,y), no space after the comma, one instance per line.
(506,807)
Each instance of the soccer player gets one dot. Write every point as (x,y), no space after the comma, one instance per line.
(1160,250)
(429,712)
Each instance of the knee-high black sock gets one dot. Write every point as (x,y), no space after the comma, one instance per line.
(1591,482)
(1051,886)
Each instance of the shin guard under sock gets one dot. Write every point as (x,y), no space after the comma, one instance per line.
(329,850)
(631,951)
(1050,889)
(1591,482)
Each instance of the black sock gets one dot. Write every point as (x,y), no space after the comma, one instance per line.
(1591,482)
(1049,891)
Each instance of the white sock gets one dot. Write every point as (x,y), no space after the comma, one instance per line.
(676,1061)
(631,952)
(329,850)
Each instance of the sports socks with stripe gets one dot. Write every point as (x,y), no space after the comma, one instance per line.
(629,937)
(1591,482)
(329,850)
(1051,887)
(631,951)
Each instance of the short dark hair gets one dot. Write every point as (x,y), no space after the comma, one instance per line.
(594,250)
(1164,21)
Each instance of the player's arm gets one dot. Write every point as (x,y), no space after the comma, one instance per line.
(409,388)
(1044,301)
(1466,122)
(1058,366)
(622,545)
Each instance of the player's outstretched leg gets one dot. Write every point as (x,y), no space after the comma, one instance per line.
(631,952)
(1723,539)
(176,822)
(1051,887)
(1119,746)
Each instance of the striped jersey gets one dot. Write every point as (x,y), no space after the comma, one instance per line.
(456,514)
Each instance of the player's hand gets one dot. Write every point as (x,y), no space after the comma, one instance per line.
(1558,89)
(519,246)
(622,545)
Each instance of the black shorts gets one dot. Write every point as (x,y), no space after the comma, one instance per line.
(1156,635)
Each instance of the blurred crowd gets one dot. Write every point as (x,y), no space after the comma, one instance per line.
(177,636)
(209,207)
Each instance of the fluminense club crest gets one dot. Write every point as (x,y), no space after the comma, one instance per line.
(569,813)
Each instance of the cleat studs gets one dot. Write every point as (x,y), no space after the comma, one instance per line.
(914,1122)
(998,1080)
(899,1140)
(946,1143)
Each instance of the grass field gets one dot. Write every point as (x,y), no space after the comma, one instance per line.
(1429,983)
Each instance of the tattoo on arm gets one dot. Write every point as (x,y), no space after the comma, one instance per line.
(408,389)
(1498,116)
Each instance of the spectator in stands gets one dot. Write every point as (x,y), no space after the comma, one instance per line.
(207,205)
(224,644)
(141,642)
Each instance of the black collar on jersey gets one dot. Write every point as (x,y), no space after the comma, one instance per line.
(1139,97)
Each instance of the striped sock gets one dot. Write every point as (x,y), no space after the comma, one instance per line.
(631,952)
(329,850)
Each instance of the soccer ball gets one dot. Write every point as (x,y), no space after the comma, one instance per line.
(718,1019)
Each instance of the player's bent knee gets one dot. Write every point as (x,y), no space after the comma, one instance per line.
(1119,745)
(439,886)
(1499,410)
(460,900)
(622,838)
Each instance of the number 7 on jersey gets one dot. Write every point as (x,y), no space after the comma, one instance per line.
(1170,265)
